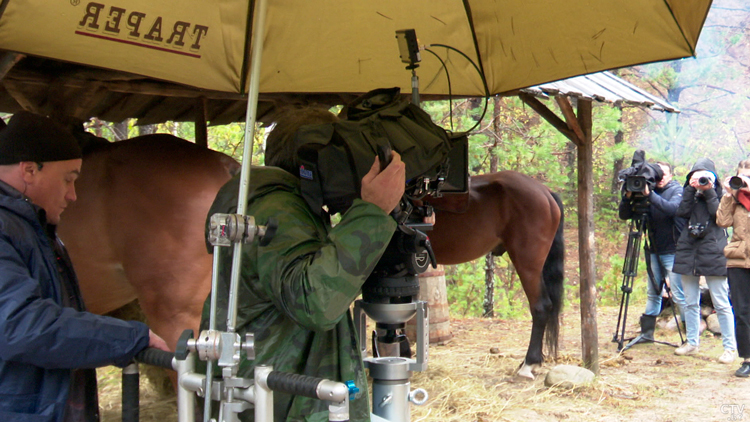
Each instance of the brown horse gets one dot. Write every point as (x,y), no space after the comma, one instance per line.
(510,212)
(137,229)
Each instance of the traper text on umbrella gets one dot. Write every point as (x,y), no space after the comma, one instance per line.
(132,30)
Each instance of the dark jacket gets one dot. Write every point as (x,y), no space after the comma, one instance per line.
(295,292)
(42,339)
(663,203)
(702,255)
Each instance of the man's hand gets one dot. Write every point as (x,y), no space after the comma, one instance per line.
(385,188)
(157,342)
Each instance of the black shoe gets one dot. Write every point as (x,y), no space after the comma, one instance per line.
(744,370)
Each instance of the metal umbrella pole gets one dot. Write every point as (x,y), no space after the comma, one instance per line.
(250,120)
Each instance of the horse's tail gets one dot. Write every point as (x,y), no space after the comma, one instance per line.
(553,275)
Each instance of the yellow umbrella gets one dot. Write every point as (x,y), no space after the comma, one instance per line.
(326,46)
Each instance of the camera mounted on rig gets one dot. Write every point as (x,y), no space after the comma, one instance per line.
(640,174)
(335,156)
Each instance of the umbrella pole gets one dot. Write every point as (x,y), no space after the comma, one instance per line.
(247,153)
(250,118)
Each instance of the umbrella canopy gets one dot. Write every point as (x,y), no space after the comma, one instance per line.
(349,46)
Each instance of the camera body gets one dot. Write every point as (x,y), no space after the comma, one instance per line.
(697,231)
(636,184)
(640,174)
(736,182)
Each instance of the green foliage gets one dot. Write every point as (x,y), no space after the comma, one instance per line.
(465,286)
(466,289)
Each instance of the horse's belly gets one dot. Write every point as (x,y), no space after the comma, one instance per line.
(104,286)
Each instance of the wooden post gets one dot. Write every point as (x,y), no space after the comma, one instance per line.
(587,247)
(432,289)
(201,129)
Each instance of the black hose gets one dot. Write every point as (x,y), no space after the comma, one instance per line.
(298,385)
(155,357)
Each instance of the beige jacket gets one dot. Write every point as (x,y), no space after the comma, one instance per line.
(732,213)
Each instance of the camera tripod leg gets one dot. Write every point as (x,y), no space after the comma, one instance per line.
(629,271)
(674,314)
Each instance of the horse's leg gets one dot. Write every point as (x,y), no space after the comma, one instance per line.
(527,238)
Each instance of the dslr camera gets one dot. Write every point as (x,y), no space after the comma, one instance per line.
(640,174)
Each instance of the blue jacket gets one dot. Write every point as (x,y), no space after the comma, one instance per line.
(41,339)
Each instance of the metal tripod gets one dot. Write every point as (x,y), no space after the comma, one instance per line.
(638,226)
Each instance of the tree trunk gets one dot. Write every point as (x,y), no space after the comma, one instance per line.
(618,163)
(146,130)
(489,265)
(489,286)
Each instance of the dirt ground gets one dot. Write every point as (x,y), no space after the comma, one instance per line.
(470,378)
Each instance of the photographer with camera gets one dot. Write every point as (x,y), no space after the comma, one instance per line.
(295,292)
(733,212)
(662,202)
(700,252)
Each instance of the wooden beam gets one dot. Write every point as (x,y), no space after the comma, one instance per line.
(586,242)
(570,118)
(8,60)
(548,115)
(129,87)
(17,93)
(79,103)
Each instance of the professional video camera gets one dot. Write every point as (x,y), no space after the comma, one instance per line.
(335,156)
(333,159)
(640,174)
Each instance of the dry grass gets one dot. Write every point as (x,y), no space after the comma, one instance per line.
(471,378)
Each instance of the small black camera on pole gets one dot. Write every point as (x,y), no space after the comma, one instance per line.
(408,48)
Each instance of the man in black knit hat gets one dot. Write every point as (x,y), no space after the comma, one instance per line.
(49,345)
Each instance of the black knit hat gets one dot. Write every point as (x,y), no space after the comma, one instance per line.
(31,137)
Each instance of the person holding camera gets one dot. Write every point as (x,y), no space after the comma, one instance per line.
(700,252)
(295,292)
(663,202)
(733,212)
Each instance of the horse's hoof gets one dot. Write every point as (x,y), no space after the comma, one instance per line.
(525,371)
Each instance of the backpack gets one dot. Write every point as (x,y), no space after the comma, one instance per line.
(335,156)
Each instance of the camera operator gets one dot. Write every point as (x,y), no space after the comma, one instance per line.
(663,202)
(733,211)
(700,252)
(295,292)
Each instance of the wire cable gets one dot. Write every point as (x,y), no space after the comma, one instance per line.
(481,75)
(450,88)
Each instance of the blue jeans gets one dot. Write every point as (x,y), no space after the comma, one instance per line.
(719,289)
(653,302)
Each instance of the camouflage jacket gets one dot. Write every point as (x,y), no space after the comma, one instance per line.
(294,294)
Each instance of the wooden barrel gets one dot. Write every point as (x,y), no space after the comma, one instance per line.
(432,290)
